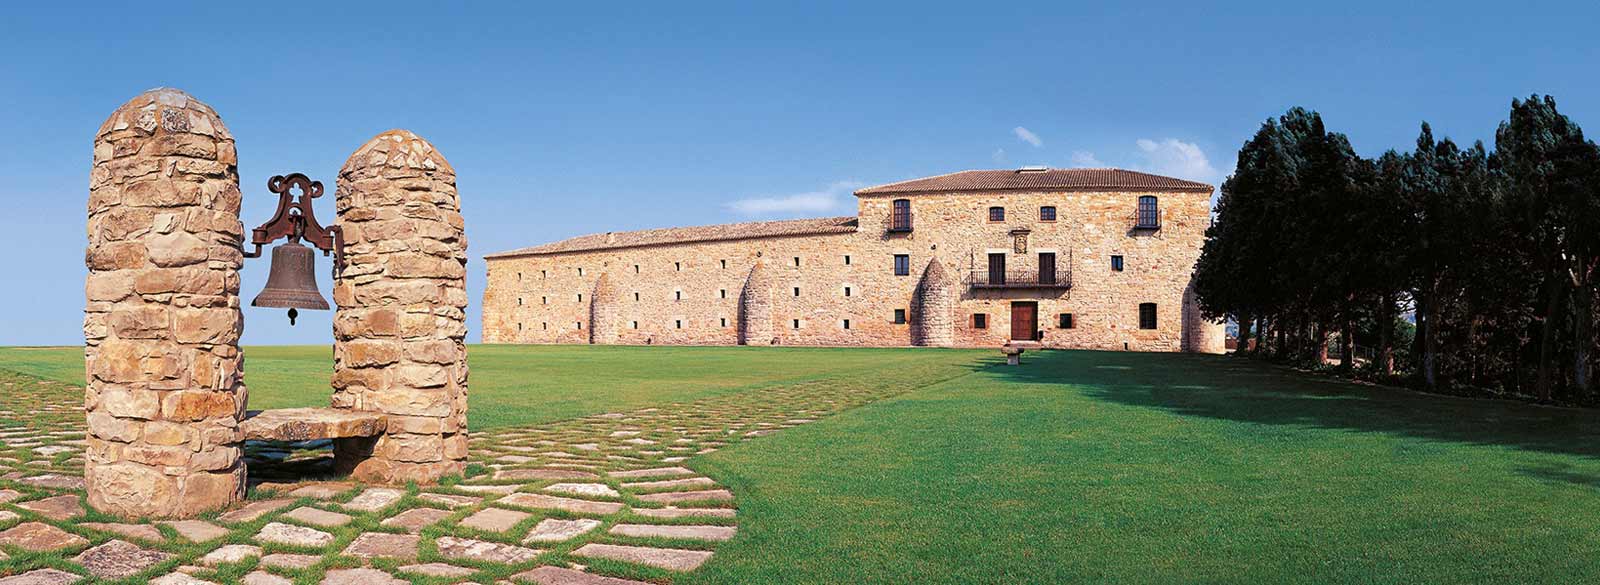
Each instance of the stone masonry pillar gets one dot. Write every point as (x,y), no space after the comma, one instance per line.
(603,321)
(165,388)
(933,308)
(755,307)
(400,329)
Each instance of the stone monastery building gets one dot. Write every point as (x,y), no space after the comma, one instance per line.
(1069,258)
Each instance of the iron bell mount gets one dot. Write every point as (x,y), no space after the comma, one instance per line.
(292,283)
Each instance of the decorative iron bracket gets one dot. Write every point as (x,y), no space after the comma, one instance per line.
(297,220)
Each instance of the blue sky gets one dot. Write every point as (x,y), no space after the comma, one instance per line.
(577,117)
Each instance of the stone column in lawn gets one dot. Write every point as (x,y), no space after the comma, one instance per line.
(933,308)
(755,307)
(164,378)
(400,329)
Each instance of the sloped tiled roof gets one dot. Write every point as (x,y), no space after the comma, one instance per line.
(1041,180)
(683,235)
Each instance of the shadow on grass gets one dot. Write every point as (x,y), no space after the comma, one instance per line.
(1238,389)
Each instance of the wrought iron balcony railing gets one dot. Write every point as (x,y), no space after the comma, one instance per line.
(1019,279)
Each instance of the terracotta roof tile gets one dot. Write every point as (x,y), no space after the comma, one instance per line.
(1041,180)
(683,235)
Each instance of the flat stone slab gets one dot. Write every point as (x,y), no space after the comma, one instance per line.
(687,482)
(695,532)
(56,508)
(321,491)
(564,576)
(653,472)
(318,517)
(558,530)
(543,473)
(494,519)
(42,577)
(361,577)
(10,495)
(264,578)
(280,533)
(545,502)
(695,496)
(373,545)
(253,511)
(232,553)
(289,561)
(437,570)
(117,559)
(672,559)
(139,531)
(302,424)
(583,489)
(479,550)
(415,519)
(197,530)
(374,499)
(178,578)
(489,489)
(670,512)
(50,480)
(450,500)
(38,536)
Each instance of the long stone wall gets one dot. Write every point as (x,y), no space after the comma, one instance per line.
(400,328)
(843,290)
(165,387)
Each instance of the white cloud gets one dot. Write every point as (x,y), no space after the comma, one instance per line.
(813,203)
(999,155)
(1027,136)
(1176,158)
(1086,159)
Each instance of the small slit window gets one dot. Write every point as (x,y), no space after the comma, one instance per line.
(678,324)
(847,291)
(796,323)
(723,293)
(635,324)
(724,264)
(797,291)
(846,323)
(796,261)
(724,321)
(677,266)
(846,259)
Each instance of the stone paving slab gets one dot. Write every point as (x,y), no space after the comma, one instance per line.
(671,512)
(42,577)
(438,570)
(558,530)
(117,559)
(253,511)
(38,537)
(374,499)
(280,533)
(318,517)
(694,532)
(415,519)
(138,531)
(55,508)
(494,519)
(562,576)
(527,500)
(671,559)
(694,496)
(384,545)
(485,551)
(197,530)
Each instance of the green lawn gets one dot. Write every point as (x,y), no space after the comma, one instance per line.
(1085,467)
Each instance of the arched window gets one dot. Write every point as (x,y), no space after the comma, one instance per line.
(1149,212)
(901,219)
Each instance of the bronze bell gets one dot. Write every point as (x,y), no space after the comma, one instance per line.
(292,283)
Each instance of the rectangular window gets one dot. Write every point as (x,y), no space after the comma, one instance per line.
(997,214)
(1147,315)
(580,271)
(724,264)
(635,324)
(580,297)
(724,321)
(519,301)
(723,292)
(1047,213)
(846,259)
(519,277)
(543,274)
(1047,268)
(902,264)
(847,291)
(997,268)
(796,323)
(544,300)
(797,291)
(900,316)
(635,268)
(519,327)
(678,324)
(980,321)
(580,325)
(900,218)
(677,266)
(846,323)
(544,326)
(1066,321)
(1116,263)
(796,261)
(1149,213)
(677,295)
(636,296)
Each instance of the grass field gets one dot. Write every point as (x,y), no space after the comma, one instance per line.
(1075,467)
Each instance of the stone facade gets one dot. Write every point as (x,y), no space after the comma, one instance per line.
(400,328)
(834,281)
(165,382)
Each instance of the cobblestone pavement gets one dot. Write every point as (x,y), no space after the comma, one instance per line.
(605,499)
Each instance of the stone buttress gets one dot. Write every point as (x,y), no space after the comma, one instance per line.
(164,378)
(755,307)
(604,324)
(933,308)
(400,329)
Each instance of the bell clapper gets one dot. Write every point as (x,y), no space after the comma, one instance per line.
(292,314)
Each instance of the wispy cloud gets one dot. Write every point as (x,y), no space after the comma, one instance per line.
(1176,158)
(999,155)
(1027,136)
(1086,159)
(811,203)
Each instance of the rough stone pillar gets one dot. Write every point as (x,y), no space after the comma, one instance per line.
(165,388)
(933,307)
(1199,334)
(400,329)
(603,322)
(755,307)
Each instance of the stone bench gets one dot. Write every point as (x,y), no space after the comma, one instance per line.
(305,424)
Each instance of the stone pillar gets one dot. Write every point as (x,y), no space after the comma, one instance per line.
(603,322)
(755,307)
(933,308)
(400,328)
(165,388)
(1200,335)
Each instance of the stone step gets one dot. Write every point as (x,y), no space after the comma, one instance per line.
(303,424)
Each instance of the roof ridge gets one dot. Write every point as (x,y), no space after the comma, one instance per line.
(950,174)
(613,239)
